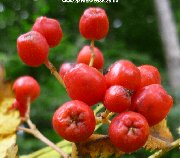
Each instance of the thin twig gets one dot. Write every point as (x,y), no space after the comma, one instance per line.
(36,133)
(53,70)
(161,152)
(92,53)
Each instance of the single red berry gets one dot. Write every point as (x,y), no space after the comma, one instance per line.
(85,83)
(26,87)
(84,56)
(74,121)
(153,102)
(129,131)
(50,29)
(124,73)
(117,99)
(22,107)
(32,48)
(94,23)
(65,67)
(149,75)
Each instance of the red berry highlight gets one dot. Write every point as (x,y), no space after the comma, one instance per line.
(74,121)
(124,73)
(129,131)
(65,67)
(24,87)
(85,83)
(153,102)
(50,29)
(94,23)
(149,75)
(84,56)
(32,48)
(117,99)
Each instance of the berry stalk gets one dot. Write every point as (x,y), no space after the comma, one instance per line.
(36,133)
(92,53)
(53,70)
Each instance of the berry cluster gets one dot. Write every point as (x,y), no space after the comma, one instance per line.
(133,93)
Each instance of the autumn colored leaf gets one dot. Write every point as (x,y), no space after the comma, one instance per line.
(5,86)
(160,137)
(8,149)
(9,119)
(97,145)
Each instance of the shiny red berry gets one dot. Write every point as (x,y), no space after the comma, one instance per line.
(117,99)
(32,48)
(129,131)
(85,83)
(94,23)
(153,102)
(26,87)
(22,107)
(65,67)
(124,73)
(50,29)
(74,121)
(149,75)
(84,56)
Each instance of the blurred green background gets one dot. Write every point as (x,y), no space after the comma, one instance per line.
(133,35)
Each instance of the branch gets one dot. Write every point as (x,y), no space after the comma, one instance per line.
(36,133)
(92,53)
(53,70)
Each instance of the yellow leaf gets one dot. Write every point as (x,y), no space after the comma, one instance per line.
(97,145)
(12,152)
(7,146)
(9,119)
(5,105)
(5,86)
(160,137)
(9,122)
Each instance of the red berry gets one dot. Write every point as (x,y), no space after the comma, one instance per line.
(22,107)
(32,48)
(149,75)
(129,131)
(85,83)
(117,99)
(65,67)
(124,73)
(74,121)
(25,87)
(153,102)
(94,24)
(84,56)
(50,29)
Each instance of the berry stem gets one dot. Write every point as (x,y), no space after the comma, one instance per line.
(163,151)
(74,151)
(53,70)
(36,133)
(92,53)
(104,117)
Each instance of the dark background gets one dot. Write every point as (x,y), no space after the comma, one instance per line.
(133,35)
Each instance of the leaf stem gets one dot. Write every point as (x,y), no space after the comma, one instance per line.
(53,70)
(92,53)
(163,151)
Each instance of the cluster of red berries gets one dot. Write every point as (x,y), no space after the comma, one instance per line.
(134,93)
